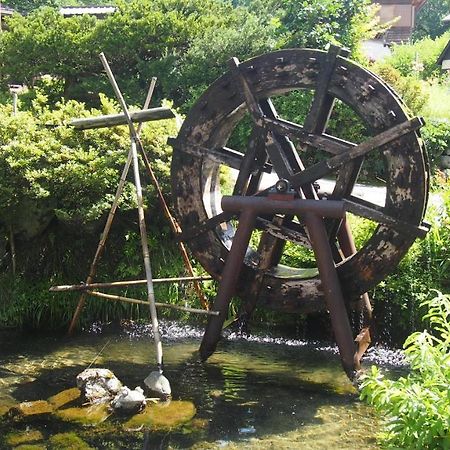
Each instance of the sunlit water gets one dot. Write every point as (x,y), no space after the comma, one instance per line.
(257,393)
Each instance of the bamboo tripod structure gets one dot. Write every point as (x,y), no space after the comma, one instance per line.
(136,143)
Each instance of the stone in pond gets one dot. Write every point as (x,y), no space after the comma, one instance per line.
(23,437)
(86,416)
(162,416)
(27,409)
(128,400)
(98,385)
(68,441)
(64,397)
(158,383)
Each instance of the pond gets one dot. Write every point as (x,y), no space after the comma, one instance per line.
(255,393)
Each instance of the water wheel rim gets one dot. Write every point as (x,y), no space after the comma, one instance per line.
(209,124)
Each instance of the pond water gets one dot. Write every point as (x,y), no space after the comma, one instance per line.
(257,393)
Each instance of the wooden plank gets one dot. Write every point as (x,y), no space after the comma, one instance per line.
(120,119)
(327,143)
(326,167)
(374,213)
(222,155)
(323,102)
(291,233)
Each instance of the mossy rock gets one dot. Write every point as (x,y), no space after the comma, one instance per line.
(4,409)
(27,409)
(23,437)
(68,441)
(86,416)
(162,416)
(31,447)
(64,397)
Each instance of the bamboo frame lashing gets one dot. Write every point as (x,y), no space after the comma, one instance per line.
(173,224)
(143,302)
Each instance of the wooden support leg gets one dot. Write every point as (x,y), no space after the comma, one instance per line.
(230,276)
(332,292)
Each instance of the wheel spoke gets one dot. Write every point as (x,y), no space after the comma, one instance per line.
(327,143)
(379,215)
(220,155)
(327,167)
(323,102)
(290,231)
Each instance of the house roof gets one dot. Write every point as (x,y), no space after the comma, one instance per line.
(90,10)
(446,19)
(445,54)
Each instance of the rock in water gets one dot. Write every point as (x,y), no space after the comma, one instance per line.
(158,383)
(98,385)
(129,400)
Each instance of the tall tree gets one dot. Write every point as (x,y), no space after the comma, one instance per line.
(429,19)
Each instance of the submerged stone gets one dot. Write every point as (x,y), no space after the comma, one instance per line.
(23,437)
(162,416)
(129,400)
(26,409)
(68,441)
(98,385)
(64,397)
(86,416)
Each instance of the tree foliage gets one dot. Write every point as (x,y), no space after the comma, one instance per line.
(185,43)
(429,19)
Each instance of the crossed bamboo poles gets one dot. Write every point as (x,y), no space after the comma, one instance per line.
(132,158)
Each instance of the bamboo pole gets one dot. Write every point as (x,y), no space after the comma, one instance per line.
(143,302)
(174,226)
(101,244)
(141,216)
(117,284)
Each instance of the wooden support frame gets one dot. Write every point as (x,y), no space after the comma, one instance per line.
(136,144)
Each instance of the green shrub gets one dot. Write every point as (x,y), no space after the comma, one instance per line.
(416,407)
(436,134)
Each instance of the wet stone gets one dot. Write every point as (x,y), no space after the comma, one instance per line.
(23,437)
(162,416)
(86,416)
(98,385)
(26,409)
(64,397)
(68,441)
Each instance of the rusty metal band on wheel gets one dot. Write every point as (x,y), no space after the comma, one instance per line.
(209,124)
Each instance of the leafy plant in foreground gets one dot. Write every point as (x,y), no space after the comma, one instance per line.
(417,407)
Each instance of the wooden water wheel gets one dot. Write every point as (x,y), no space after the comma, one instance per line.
(250,92)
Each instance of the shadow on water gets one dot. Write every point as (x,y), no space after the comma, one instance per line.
(249,394)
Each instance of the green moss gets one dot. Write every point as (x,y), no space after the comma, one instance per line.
(64,397)
(31,447)
(36,408)
(89,416)
(68,441)
(23,437)
(162,416)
